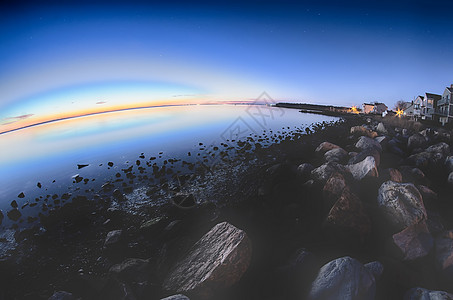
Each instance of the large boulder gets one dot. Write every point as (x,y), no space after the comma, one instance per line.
(216,261)
(381,128)
(304,170)
(366,142)
(323,172)
(131,269)
(362,131)
(417,141)
(348,214)
(444,250)
(391,174)
(364,154)
(433,157)
(113,237)
(401,205)
(343,278)
(419,293)
(338,155)
(365,168)
(412,174)
(324,147)
(333,189)
(413,242)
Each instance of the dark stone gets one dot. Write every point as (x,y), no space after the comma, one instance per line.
(14,204)
(338,155)
(14,214)
(324,147)
(176,297)
(391,174)
(21,195)
(364,154)
(333,189)
(81,166)
(365,142)
(113,237)
(62,295)
(184,201)
(413,242)
(419,293)
(417,141)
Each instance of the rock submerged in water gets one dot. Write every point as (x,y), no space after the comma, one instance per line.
(343,278)
(216,261)
(401,204)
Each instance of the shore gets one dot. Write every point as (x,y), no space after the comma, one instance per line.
(357,209)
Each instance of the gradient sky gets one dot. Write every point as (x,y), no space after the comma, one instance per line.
(59,60)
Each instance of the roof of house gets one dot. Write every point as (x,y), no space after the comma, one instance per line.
(433,96)
(421,97)
(450,89)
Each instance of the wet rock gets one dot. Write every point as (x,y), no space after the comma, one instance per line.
(1,217)
(364,154)
(417,141)
(375,268)
(365,168)
(381,128)
(450,179)
(81,166)
(131,269)
(113,237)
(176,297)
(391,174)
(326,170)
(14,214)
(413,242)
(304,170)
(14,204)
(419,293)
(338,155)
(333,189)
(118,195)
(39,185)
(349,214)
(366,142)
(62,295)
(362,131)
(401,205)
(343,278)
(216,261)
(324,147)
(443,253)
(150,224)
(110,164)
(21,195)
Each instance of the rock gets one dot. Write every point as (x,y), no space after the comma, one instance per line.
(381,128)
(450,179)
(362,131)
(365,168)
(333,189)
(343,278)
(412,174)
(442,148)
(113,237)
(150,224)
(304,170)
(401,204)
(419,293)
(364,154)
(118,195)
(324,147)
(131,269)
(375,268)
(216,261)
(14,214)
(14,204)
(428,195)
(176,297)
(417,141)
(449,163)
(337,155)
(349,214)
(81,166)
(414,242)
(443,253)
(366,142)
(323,173)
(381,140)
(62,295)
(391,174)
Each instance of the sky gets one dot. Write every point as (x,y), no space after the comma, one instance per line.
(67,58)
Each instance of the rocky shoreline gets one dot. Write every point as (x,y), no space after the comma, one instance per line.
(358,209)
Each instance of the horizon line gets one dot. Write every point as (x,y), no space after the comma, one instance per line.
(119,110)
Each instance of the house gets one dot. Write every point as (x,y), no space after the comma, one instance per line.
(413,110)
(429,105)
(374,108)
(444,109)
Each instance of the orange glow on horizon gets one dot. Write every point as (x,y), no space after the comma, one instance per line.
(38,120)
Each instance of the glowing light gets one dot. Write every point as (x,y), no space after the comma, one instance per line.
(354,110)
(399,112)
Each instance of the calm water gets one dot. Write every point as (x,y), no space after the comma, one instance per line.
(49,153)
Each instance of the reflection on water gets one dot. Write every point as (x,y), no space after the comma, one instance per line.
(49,153)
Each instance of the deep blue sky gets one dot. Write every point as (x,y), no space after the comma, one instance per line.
(321,52)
